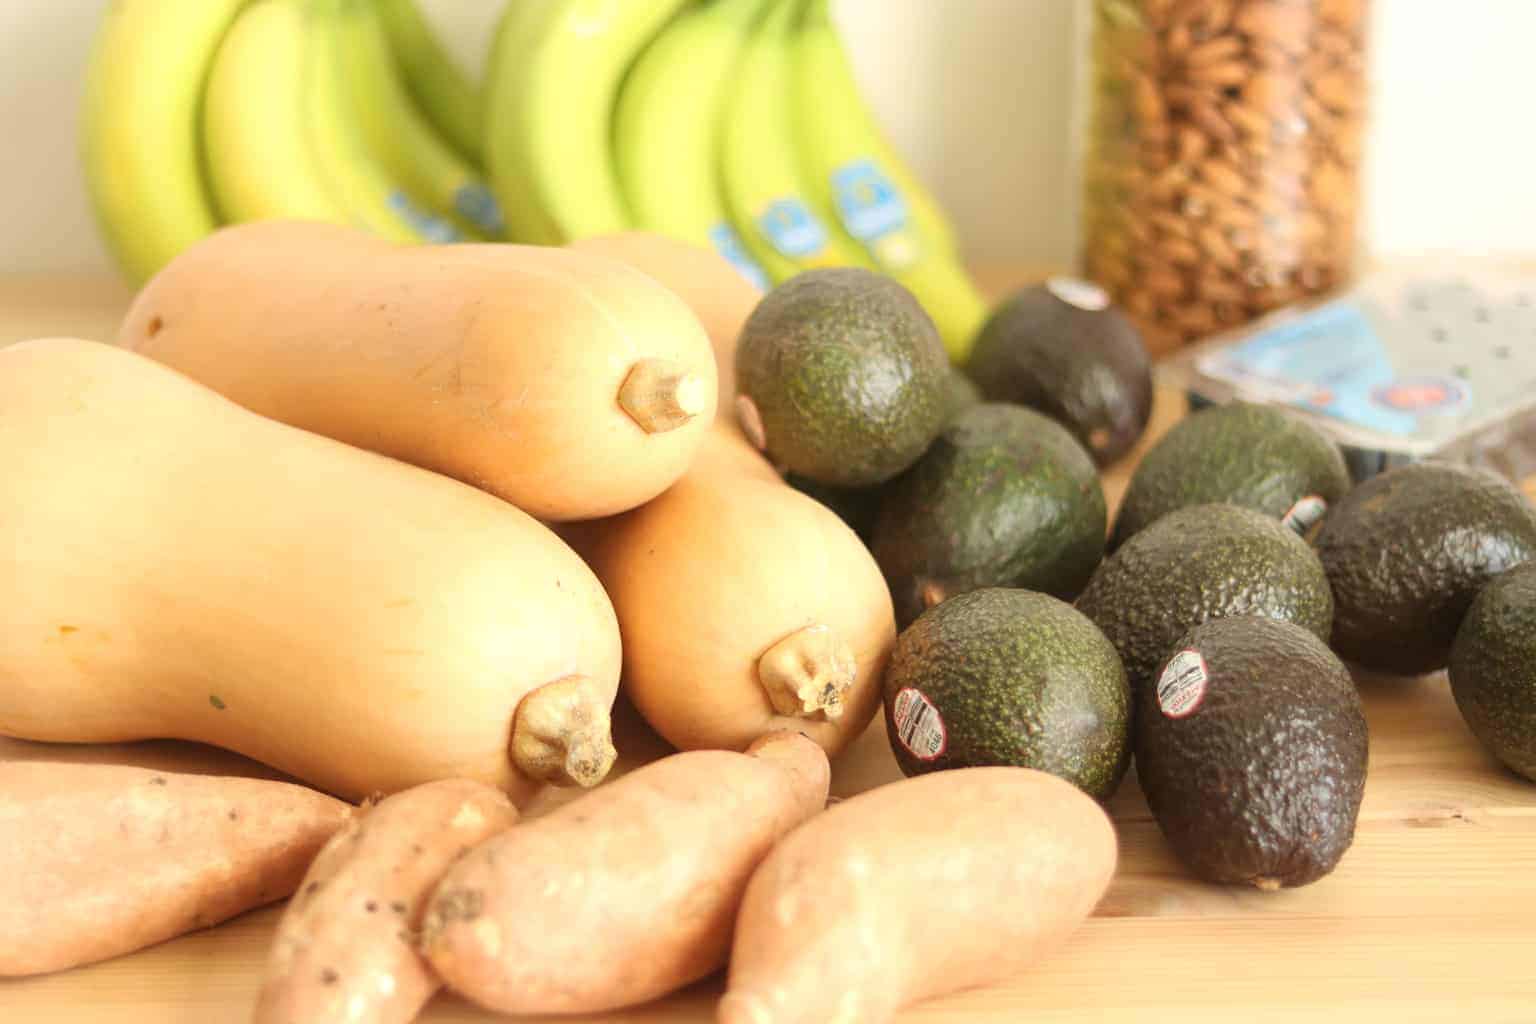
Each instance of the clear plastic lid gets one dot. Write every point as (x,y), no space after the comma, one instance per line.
(1418,361)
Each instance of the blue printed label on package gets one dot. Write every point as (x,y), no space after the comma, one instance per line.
(1333,362)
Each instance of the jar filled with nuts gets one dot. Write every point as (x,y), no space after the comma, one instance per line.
(1223,156)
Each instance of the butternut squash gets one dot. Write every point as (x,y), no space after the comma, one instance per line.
(182,568)
(716,292)
(745,607)
(569,384)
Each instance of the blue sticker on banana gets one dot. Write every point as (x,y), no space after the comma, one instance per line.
(430,228)
(476,204)
(868,202)
(792,229)
(729,244)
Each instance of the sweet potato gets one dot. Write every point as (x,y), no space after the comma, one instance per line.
(100,860)
(914,889)
(627,893)
(345,948)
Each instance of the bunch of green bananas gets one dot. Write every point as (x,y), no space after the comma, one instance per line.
(733,124)
(205,112)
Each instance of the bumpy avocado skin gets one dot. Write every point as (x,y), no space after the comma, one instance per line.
(859,507)
(1021,679)
(1261,783)
(1200,563)
(1004,497)
(1493,668)
(1087,369)
(1407,551)
(848,376)
(963,393)
(1251,455)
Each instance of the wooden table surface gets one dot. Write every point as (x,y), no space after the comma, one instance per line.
(1430,917)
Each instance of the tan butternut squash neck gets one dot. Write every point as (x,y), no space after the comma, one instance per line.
(808,673)
(563,735)
(662,395)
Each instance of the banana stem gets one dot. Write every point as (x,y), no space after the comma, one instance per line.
(562,734)
(808,672)
(662,395)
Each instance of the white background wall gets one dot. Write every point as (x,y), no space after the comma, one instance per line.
(980,95)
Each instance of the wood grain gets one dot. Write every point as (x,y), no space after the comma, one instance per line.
(1430,917)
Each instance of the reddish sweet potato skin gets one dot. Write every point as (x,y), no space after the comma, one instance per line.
(100,860)
(345,948)
(921,887)
(629,892)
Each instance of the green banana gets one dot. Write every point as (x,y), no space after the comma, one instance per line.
(853,170)
(277,137)
(399,137)
(371,199)
(502,141)
(143,165)
(259,161)
(440,87)
(667,127)
(773,209)
(556,69)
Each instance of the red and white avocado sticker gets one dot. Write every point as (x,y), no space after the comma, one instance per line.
(1306,513)
(919,726)
(1181,687)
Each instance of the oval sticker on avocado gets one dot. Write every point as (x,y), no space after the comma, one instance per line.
(1181,687)
(919,726)
(1306,513)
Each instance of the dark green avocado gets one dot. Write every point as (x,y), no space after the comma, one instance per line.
(1199,563)
(1251,749)
(1004,497)
(1407,551)
(842,377)
(1061,348)
(963,393)
(1257,456)
(1009,677)
(1493,668)
(860,506)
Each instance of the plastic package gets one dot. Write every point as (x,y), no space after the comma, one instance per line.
(1408,364)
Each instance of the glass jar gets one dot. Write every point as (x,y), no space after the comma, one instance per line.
(1222,163)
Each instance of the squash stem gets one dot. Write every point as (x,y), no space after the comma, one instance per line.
(808,673)
(563,735)
(662,395)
